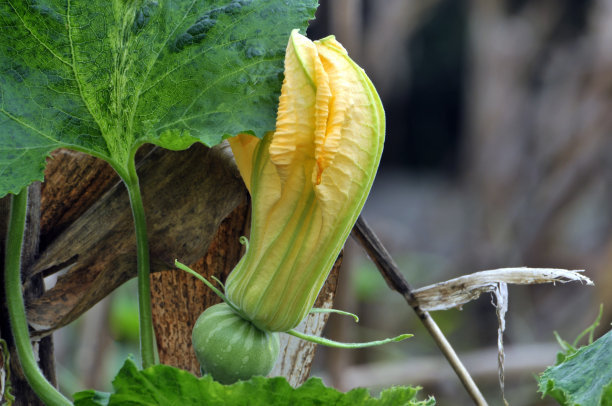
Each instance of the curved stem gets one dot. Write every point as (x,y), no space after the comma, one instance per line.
(336,344)
(16,308)
(147,339)
(336,311)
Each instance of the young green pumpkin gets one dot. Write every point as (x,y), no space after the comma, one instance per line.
(241,349)
(308,181)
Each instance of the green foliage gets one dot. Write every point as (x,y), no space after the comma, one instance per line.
(165,385)
(582,376)
(104,77)
(5,373)
(569,349)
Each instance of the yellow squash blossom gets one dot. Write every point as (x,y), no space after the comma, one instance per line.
(308,180)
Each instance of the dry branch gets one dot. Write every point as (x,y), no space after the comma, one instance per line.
(396,281)
(458,291)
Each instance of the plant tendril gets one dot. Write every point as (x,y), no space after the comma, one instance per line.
(336,311)
(244,241)
(336,344)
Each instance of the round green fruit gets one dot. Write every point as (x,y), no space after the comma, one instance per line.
(231,348)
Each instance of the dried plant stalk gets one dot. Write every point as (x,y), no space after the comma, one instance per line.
(458,291)
(396,281)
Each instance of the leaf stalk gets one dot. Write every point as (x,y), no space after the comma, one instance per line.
(147,338)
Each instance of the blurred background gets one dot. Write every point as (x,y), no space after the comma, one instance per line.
(498,154)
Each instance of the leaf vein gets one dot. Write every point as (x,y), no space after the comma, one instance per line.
(183,119)
(220,78)
(47,47)
(28,126)
(10,163)
(74,69)
(186,61)
(153,62)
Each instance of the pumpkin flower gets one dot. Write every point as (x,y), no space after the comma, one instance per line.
(308,181)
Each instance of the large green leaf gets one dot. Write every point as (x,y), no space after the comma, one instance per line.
(106,76)
(165,385)
(583,378)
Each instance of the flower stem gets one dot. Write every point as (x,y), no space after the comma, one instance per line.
(147,339)
(16,308)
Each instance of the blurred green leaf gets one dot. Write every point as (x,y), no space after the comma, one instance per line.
(91,397)
(584,377)
(123,314)
(165,385)
(367,282)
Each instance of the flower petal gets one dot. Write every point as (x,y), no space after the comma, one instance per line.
(243,146)
(309,181)
(292,142)
(352,151)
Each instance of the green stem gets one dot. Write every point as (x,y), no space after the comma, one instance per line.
(590,330)
(185,268)
(221,295)
(14,300)
(336,344)
(147,339)
(336,311)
